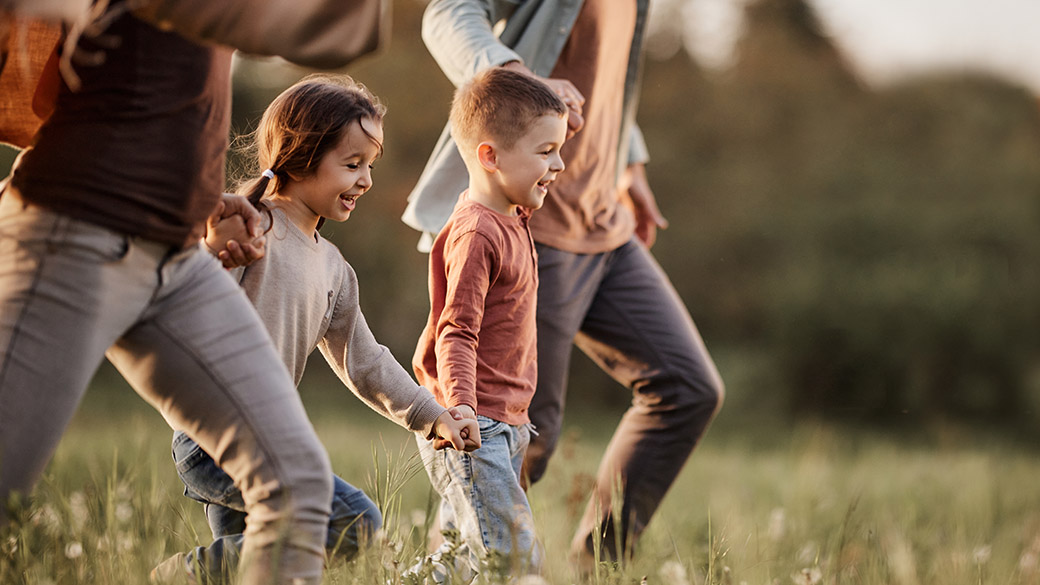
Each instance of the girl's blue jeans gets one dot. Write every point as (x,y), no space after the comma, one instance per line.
(352,524)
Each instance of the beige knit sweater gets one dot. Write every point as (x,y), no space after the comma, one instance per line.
(307,296)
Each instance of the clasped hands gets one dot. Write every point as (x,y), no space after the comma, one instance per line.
(233,232)
(457,428)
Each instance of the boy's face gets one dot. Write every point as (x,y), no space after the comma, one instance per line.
(526,169)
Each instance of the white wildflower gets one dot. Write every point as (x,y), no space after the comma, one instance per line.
(73,550)
(982,554)
(124,512)
(1028,562)
(673,573)
(807,576)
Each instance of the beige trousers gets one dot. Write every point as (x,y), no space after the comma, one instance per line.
(187,339)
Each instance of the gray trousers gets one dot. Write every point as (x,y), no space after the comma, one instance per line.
(622,311)
(185,336)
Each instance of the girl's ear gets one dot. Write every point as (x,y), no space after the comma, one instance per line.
(487,156)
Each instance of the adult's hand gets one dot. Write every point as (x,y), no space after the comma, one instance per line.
(231,204)
(570,95)
(233,232)
(644,204)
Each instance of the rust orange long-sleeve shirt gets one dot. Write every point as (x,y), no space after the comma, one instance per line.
(479,347)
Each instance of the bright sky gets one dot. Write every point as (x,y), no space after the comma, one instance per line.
(890,39)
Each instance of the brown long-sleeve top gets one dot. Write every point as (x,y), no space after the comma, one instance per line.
(139,148)
(478,347)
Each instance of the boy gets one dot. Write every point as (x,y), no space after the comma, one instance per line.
(477,352)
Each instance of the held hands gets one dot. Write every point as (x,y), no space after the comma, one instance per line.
(648,217)
(457,428)
(233,232)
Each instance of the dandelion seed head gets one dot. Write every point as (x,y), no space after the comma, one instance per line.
(673,573)
(124,512)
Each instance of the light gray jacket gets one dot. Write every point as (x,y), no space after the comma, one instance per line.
(468,36)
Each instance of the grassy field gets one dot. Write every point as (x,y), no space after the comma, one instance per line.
(806,503)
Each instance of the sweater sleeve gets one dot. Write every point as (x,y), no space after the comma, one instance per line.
(469,268)
(324,34)
(369,370)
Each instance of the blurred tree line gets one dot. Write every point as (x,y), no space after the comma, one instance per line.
(847,252)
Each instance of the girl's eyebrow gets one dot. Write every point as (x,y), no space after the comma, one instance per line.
(359,155)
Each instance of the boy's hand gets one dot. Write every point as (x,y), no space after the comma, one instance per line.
(457,428)
(230,232)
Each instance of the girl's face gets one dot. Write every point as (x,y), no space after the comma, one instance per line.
(344,173)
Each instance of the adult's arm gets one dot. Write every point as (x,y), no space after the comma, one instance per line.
(460,36)
(51,10)
(324,34)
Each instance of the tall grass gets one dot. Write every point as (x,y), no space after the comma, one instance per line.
(800,504)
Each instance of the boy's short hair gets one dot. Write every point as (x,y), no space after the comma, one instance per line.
(500,104)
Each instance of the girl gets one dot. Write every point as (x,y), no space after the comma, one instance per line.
(317,142)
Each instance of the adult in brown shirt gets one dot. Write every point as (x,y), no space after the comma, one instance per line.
(99,251)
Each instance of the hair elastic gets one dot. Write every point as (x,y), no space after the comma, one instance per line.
(268,173)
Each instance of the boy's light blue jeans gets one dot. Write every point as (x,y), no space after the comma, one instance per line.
(352,524)
(481,497)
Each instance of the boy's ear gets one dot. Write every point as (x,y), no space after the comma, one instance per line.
(487,156)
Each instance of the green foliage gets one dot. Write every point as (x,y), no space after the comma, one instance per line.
(879,246)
